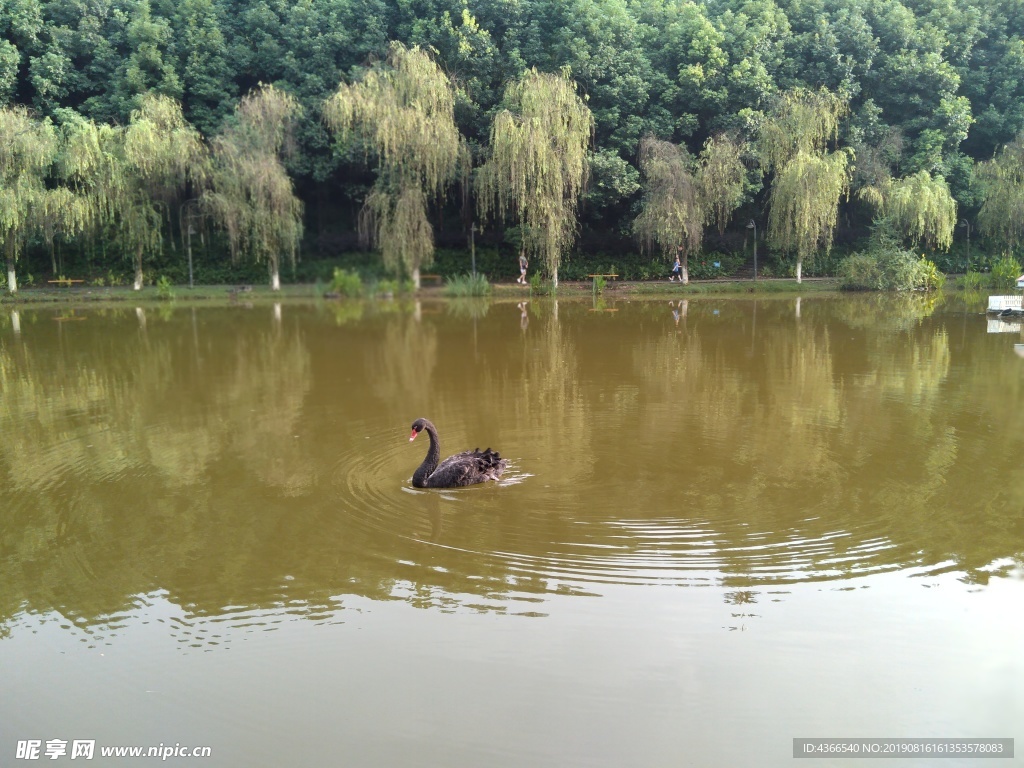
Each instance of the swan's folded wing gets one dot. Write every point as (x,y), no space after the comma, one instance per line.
(468,468)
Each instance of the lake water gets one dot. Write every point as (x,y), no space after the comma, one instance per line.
(726,524)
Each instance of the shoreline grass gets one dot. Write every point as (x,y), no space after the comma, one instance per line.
(182,295)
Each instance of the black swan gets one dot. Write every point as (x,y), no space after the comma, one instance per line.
(466,468)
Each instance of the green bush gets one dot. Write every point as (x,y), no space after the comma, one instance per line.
(535,284)
(860,272)
(346,283)
(934,279)
(384,288)
(1005,272)
(467,285)
(164,288)
(887,267)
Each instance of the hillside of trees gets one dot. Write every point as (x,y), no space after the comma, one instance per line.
(928,86)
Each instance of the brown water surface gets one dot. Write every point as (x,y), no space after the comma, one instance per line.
(726,523)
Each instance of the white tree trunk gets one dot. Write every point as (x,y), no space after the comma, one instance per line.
(275,277)
(12,279)
(799,269)
(416,279)
(554,278)
(16,323)
(139,279)
(685,275)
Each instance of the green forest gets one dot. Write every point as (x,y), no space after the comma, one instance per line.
(247,136)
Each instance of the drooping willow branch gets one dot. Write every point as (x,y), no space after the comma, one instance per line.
(807,179)
(538,165)
(403,111)
(671,216)
(1002,179)
(251,193)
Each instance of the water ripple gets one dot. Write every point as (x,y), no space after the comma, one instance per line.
(542,536)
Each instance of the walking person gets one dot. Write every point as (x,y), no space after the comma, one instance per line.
(677,270)
(523,264)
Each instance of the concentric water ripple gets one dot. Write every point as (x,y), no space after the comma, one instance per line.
(540,533)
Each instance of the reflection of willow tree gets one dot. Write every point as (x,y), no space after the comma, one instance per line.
(257,404)
(264,399)
(109,464)
(551,402)
(786,438)
(166,458)
(403,363)
(730,421)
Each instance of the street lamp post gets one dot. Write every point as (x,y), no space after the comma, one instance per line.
(188,215)
(966,223)
(753,226)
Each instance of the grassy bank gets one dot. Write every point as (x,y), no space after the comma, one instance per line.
(178,293)
(665,288)
(568,289)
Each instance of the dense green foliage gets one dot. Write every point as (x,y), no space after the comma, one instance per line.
(885,266)
(346,283)
(930,87)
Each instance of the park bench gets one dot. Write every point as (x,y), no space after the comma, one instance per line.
(435,278)
(65,281)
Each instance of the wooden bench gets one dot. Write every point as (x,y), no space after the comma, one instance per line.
(594,277)
(435,278)
(65,281)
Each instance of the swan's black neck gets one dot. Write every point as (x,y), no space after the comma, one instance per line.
(426,469)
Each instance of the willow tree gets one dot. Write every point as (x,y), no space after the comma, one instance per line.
(807,179)
(404,112)
(28,148)
(92,164)
(721,178)
(61,213)
(919,208)
(124,180)
(250,192)
(671,217)
(1002,211)
(166,153)
(538,164)
(161,153)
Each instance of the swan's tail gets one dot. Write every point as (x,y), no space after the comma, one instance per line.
(492,463)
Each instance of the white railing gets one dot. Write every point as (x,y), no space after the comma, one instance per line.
(999,303)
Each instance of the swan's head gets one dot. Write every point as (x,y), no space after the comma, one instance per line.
(417,427)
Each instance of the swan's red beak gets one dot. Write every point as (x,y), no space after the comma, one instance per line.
(413,435)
